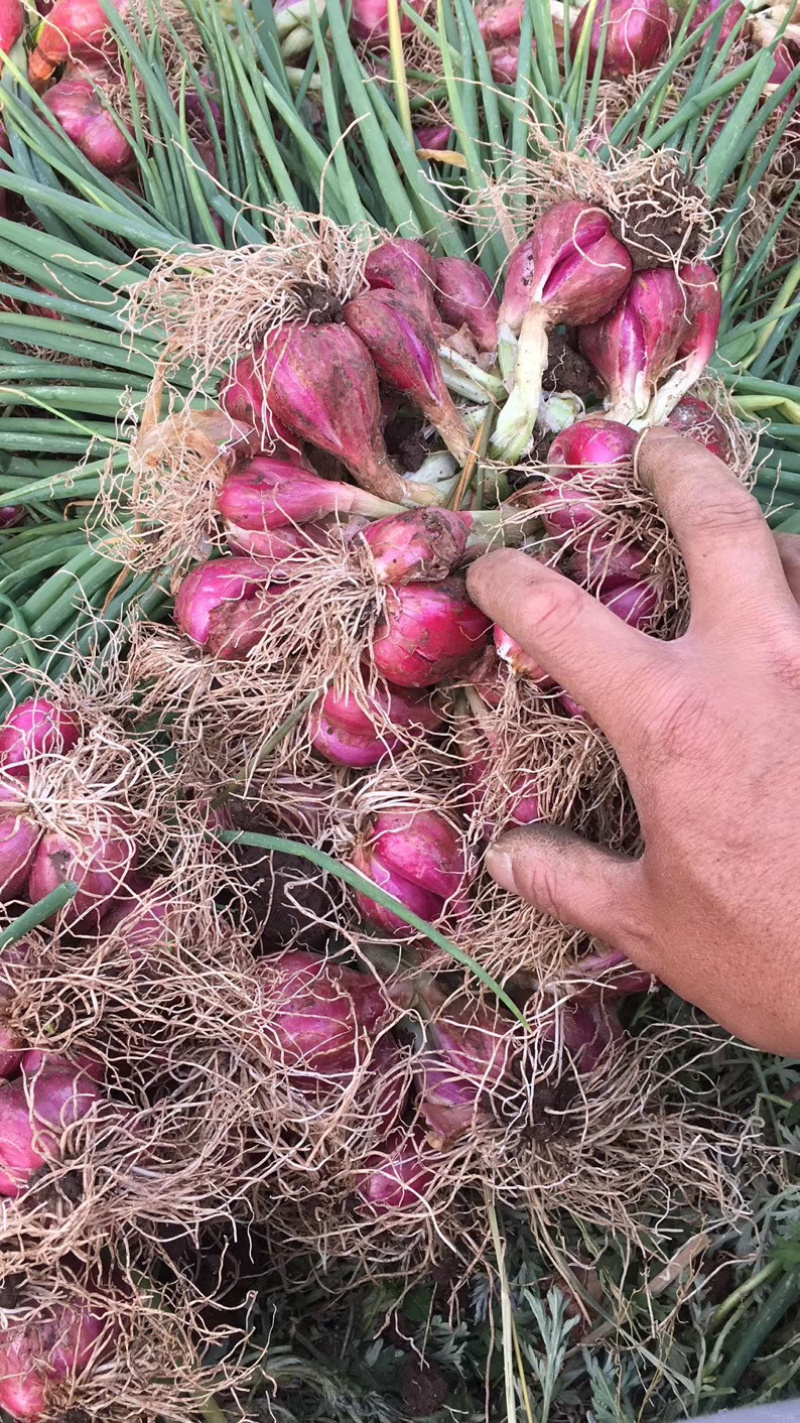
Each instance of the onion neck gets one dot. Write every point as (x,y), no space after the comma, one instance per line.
(517,420)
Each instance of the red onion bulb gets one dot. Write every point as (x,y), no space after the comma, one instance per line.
(419,857)
(429,631)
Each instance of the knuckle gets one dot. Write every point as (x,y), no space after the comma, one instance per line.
(729,510)
(553,606)
(541,886)
(680,727)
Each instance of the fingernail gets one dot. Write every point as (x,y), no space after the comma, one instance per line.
(500,866)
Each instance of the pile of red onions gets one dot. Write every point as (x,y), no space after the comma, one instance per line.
(34,861)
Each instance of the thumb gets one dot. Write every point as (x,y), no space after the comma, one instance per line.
(583,885)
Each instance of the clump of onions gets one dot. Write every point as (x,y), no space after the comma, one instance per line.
(429,631)
(344,732)
(268,493)
(98,863)
(405,266)
(636,34)
(35,1111)
(572,269)
(19,836)
(403,346)
(219,608)
(421,546)
(41,1358)
(74,29)
(703,300)
(696,418)
(369,22)
(635,345)
(35,729)
(465,297)
(323,385)
(318,1014)
(399,1176)
(420,857)
(78,106)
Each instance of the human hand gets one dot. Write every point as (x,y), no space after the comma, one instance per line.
(707,729)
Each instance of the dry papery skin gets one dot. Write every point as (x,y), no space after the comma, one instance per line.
(770,196)
(179,39)
(165,518)
(217,305)
(150,1359)
(662,218)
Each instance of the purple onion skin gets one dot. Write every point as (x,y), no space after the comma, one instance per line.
(316,1012)
(402,344)
(598,562)
(465,297)
(520,661)
(369,22)
(19,837)
(419,858)
(406,267)
(12,1050)
(38,1357)
(34,1112)
(592,444)
(633,346)
(12,514)
(429,631)
(635,603)
(574,267)
(706,8)
(269,493)
(637,34)
(421,546)
(504,59)
(695,418)
(79,109)
(35,729)
(397,1177)
(347,735)
(205,593)
(434,138)
(323,386)
(241,395)
(500,19)
(99,865)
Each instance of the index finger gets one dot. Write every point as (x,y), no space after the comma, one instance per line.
(600,660)
(734,568)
